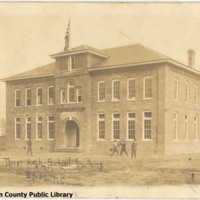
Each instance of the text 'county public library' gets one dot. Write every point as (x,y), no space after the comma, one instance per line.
(88,97)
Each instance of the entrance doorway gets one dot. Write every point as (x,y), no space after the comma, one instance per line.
(72,134)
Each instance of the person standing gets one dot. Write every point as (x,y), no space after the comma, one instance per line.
(29,147)
(123,149)
(115,148)
(133,149)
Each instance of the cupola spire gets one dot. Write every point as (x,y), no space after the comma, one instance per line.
(67,38)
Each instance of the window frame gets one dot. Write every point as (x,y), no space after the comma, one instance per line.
(176,88)
(196,128)
(48,97)
(38,122)
(113,126)
(188,92)
(16,128)
(127,132)
(144,87)
(196,91)
(187,130)
(98,120)
(175,120)
(38,96)
(128,90)
(28,122)
(72,63)
(27,98)
(143,129)
(99,82)
(16,90)
(78,92)
(68,96)
(50,121)
(61,96)
(113,81)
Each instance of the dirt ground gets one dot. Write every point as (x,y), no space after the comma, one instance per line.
(97,170)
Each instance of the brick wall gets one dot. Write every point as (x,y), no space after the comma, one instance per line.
(81,117)
(123,106)
(32,111)
(182,108)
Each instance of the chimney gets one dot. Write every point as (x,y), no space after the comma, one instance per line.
(191,55)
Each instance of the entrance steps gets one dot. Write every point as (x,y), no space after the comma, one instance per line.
(68,150)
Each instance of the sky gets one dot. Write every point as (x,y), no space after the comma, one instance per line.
(30,32)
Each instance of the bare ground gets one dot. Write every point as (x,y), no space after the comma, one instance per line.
(100,170)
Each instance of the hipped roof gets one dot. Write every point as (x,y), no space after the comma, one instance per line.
(124,55)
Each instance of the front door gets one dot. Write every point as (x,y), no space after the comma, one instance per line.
(72,134)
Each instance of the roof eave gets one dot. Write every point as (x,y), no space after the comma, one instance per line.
(185,67)
(127,65)
(78,52)
(25,77)
(170,61)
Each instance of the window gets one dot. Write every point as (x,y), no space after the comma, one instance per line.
(176,89)
(187,92)
(39,96)
(101,91)
(28,128)
(196,127)
(51,127)
(79,95)
(28,97)
(64,65)
(71,93)
(17,129)
(175,136)
(196,95)
(63,96)
(116,125)
(131,125)
(17,98)
(186,127)
(39,128)
(72,62)
(131,89)
(147,125)
(50,95)
(101,126)
(115,90)
(147,87)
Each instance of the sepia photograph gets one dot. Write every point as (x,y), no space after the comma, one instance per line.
(99,100)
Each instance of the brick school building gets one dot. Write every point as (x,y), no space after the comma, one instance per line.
(88,97)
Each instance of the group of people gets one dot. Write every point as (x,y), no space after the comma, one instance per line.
(123,148)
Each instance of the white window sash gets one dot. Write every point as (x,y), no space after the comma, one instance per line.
(38,122)
(114,90)
(115,120)
(149,87)
(186,127)
(144,119)
(16,128)
(28,122)
(48,93)
(175,131)
(196,95)
(37,96)
(176,90)
(128,89)
(48,131)
(130,119)
(101,100)
(98,128)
